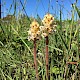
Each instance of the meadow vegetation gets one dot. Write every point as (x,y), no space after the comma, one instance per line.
(16,52)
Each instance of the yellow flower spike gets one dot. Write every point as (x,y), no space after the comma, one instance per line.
(48,19)
(48,24)
(34,31)
(34,34)
(46,30)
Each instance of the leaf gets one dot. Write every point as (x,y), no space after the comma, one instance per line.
(56,48)
(55,70)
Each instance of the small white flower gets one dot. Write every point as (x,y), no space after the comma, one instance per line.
(29,32)
(44,34)
(42,28)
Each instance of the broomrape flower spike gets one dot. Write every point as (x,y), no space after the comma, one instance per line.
(46,30)
(48,19)
(47,22)
(34,34)
(34,31)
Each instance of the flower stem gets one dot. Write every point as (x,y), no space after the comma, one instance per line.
(46,57)
(35,62)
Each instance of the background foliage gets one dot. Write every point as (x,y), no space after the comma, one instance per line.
(16,52)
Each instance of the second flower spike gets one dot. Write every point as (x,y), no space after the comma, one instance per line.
(48,24)
(34,31)
(48,19)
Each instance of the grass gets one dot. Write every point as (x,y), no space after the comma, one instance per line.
(16,52)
